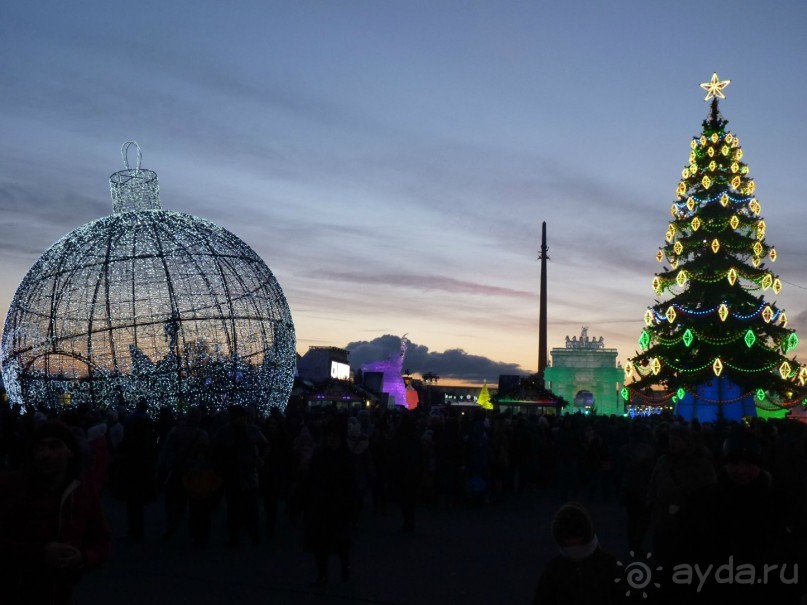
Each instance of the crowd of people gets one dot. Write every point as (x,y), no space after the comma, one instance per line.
(691,492)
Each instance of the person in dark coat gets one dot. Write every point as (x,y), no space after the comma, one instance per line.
(330,501)
(52,527)
(134,467)
(239,448)
(582,572)
(739,524)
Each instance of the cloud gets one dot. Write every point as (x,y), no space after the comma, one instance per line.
(451,364)
(423,282)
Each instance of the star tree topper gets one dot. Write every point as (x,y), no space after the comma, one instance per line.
(715,87)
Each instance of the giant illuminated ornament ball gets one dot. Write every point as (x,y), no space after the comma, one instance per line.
(148,303)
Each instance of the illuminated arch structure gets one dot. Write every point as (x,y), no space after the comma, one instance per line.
(585,365)
(148,303)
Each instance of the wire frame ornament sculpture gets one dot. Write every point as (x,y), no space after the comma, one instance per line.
(148,303)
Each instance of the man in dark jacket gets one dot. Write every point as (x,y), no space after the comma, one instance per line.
(52,528)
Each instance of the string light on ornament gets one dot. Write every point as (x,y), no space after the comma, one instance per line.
(712,164)
(691,204)
(760,394)
(657,285)
(717,366)
(755,206)
(678,248)
(784,370)
(625,393)
(750,187)
(688,337)
(756,261)
(761,227)
(732,276)
(738,154)
(674,210)
(792,342)
(649,317)
(725,150)
(777,286)
(670,234)
(767,281)
(750,338)
(655,366)
(715,138)
(680,393)
(681,190)
(729,138)
(724,200)
(803,376)
(674,261)
(723,312)
(715,245)
(628,370)
(757,248)
(735,167)
(767,314)
(734,222)
(773,255)
(670,314)
(735,182)
(659,255)
(681,278)
(695,224)
(706,181)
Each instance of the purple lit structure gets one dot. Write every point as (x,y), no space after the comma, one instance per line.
(392,381)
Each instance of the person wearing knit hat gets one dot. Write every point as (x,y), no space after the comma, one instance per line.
(52,528)
(582,572)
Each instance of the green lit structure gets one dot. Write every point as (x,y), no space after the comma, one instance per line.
(587,375)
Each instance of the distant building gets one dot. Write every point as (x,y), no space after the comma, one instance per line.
(586,374)
(323,363)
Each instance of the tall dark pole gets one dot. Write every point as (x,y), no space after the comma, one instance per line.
(542,356)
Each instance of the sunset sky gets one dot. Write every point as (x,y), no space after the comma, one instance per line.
(392,161)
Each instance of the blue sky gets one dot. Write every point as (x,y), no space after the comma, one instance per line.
(392,161)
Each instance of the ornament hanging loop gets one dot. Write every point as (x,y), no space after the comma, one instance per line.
(124,151)
(134,188)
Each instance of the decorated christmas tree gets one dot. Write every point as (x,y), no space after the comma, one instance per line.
(484,398)
(712,344)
